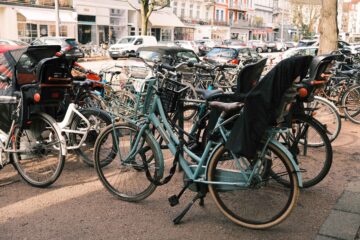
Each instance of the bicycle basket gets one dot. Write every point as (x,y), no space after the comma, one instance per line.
(171,93)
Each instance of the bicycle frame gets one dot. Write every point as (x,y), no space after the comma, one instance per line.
(64,125)
(197,173)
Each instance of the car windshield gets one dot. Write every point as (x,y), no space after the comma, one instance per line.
(149,55)
(222,52)
(126,40)
(187,56)
(305,43)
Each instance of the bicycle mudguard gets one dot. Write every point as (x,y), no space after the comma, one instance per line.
(292,160)
(158,150)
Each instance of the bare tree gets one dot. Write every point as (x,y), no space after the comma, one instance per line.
(305,15)
(146,8)
(328,27)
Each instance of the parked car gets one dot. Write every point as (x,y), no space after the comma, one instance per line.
(290,44)
(259,45)
(177,54)
(299,51)
(271,46)
(306,42)
(5,48)
(234,42)
(69,46)
(130,44)
(231,55)
(13,42)
(188,45)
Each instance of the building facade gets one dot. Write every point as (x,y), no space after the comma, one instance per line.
(27,20)
(262,20)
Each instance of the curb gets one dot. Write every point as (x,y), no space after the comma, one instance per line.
(343,222)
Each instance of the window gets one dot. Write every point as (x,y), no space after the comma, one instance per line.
(222,15)
(191,10)
(190,56)
(175,8)
(182,10)
(207,15)
(217,15)
(63,31)
(139,41)
(118,17)
(198,11)
(165,34)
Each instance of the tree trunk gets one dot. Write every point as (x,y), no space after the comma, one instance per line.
(144,25)
(328,27)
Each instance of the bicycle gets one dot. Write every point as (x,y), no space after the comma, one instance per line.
(142,165)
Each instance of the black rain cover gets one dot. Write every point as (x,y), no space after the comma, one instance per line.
(262,104)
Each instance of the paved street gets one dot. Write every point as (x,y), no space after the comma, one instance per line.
(78,207)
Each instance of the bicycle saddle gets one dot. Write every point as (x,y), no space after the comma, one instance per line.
(206,94)
(226,107)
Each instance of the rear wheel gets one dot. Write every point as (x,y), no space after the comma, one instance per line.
(327,114)
(351,104)
(265,202)
(98,120)
(311,148)
(39,156)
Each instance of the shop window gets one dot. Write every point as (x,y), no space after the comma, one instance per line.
(166,34)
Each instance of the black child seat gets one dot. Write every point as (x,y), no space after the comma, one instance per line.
(36,70)
(262,104)
(247,78)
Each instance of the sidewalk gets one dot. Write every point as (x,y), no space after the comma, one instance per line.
(91,59)
(343,221)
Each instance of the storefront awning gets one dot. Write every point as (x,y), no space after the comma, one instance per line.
(47,15)
(165,19)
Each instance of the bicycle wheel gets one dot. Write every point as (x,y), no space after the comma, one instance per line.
(327,114)
(350,102)
(39,156)
(190,95)
(98,120)
(311,149)
(125,176)
(263,203)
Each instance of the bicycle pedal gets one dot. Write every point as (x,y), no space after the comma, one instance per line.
(173,200)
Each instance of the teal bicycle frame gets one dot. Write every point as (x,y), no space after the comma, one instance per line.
(198,172)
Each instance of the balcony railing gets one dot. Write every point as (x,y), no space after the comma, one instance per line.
(221,23)
(196,21)
(39,3)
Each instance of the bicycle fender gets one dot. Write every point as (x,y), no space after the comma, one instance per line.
(158,150)
(211,155)
(290,156)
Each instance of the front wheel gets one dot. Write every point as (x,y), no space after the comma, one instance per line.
(264,201)
(39,156)
(124,176)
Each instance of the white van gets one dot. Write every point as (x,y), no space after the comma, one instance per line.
(130,44)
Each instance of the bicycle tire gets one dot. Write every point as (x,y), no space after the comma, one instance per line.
(352,95)
(45,140)
(314,160)
(98,120)
(250,217)
(132,170)
(328,116)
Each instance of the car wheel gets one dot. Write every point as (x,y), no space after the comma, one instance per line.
(269,50)
(259,50)
(282,49)
(114,58)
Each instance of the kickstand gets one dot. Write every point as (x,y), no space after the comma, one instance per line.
(200,196)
